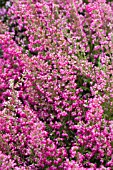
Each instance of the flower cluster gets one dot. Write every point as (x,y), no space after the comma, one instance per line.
(56,81)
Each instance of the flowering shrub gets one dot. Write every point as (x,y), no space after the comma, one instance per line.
(56,81)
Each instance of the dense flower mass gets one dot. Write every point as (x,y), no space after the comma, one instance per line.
(56,85)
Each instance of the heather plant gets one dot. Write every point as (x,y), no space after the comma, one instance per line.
(56,98)
(23,137)
(4,6)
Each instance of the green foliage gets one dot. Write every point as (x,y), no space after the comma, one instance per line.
(108,110)
(2,3)
(1,53)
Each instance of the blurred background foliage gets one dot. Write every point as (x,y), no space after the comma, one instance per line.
(2,3)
